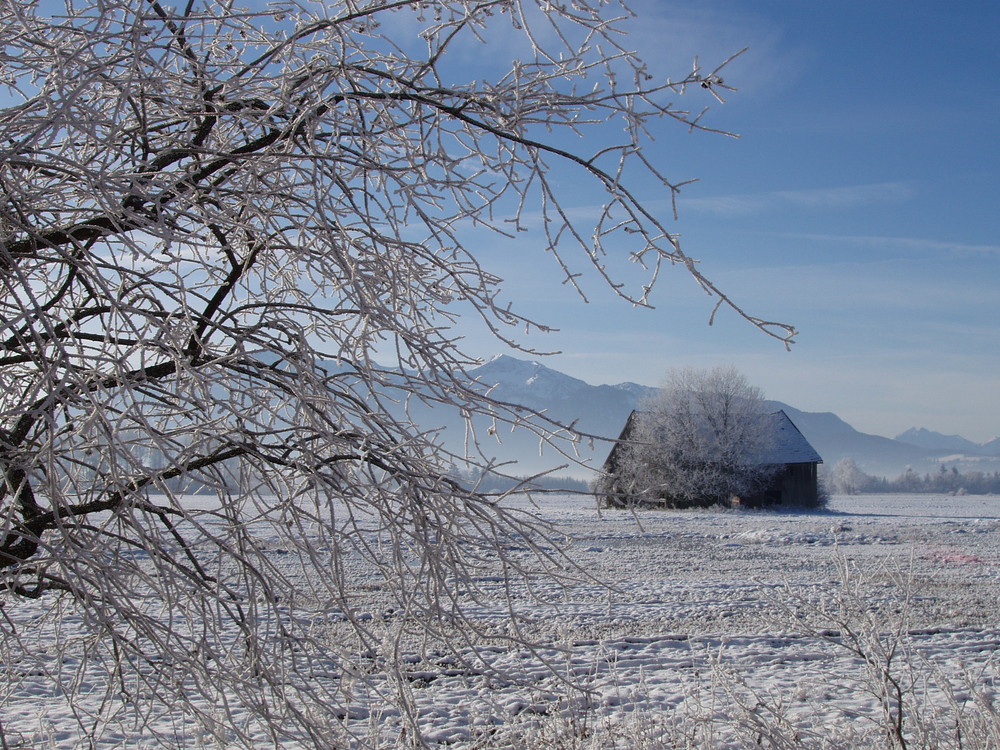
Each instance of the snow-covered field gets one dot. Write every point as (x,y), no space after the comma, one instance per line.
(720,629)
(731,627)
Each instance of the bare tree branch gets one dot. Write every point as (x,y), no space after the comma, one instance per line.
(234,248)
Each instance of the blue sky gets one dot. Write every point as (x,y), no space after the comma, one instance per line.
(861,203)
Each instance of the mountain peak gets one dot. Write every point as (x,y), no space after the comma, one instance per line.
(505,360)
(510,372)
(506,366)
(924,438)
(992,447)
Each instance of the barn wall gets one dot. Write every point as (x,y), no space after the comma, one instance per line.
(795,484)
(798,485)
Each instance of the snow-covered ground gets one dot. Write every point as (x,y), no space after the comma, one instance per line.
(719,617)
(720,629)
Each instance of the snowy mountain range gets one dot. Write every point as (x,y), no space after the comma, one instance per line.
(924,438)
(603,409)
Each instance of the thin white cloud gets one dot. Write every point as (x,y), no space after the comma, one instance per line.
(859,290)
(844,196)
(669,35)
(850,195)
(952,247)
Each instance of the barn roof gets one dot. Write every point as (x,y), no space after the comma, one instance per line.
(790,446)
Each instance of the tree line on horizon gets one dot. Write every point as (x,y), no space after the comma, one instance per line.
(847,479)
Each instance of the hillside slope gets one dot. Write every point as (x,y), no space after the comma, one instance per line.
(601,410)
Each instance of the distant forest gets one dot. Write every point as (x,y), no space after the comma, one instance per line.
(498,483)
(846,478)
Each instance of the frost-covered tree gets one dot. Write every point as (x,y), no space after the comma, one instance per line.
(846,478)
(215,224)
(701,439)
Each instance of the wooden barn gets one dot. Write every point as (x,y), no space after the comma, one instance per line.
(795,481)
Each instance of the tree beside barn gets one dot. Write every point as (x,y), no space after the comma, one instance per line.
(705,439)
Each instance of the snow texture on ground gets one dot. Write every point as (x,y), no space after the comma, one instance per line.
(709,614)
